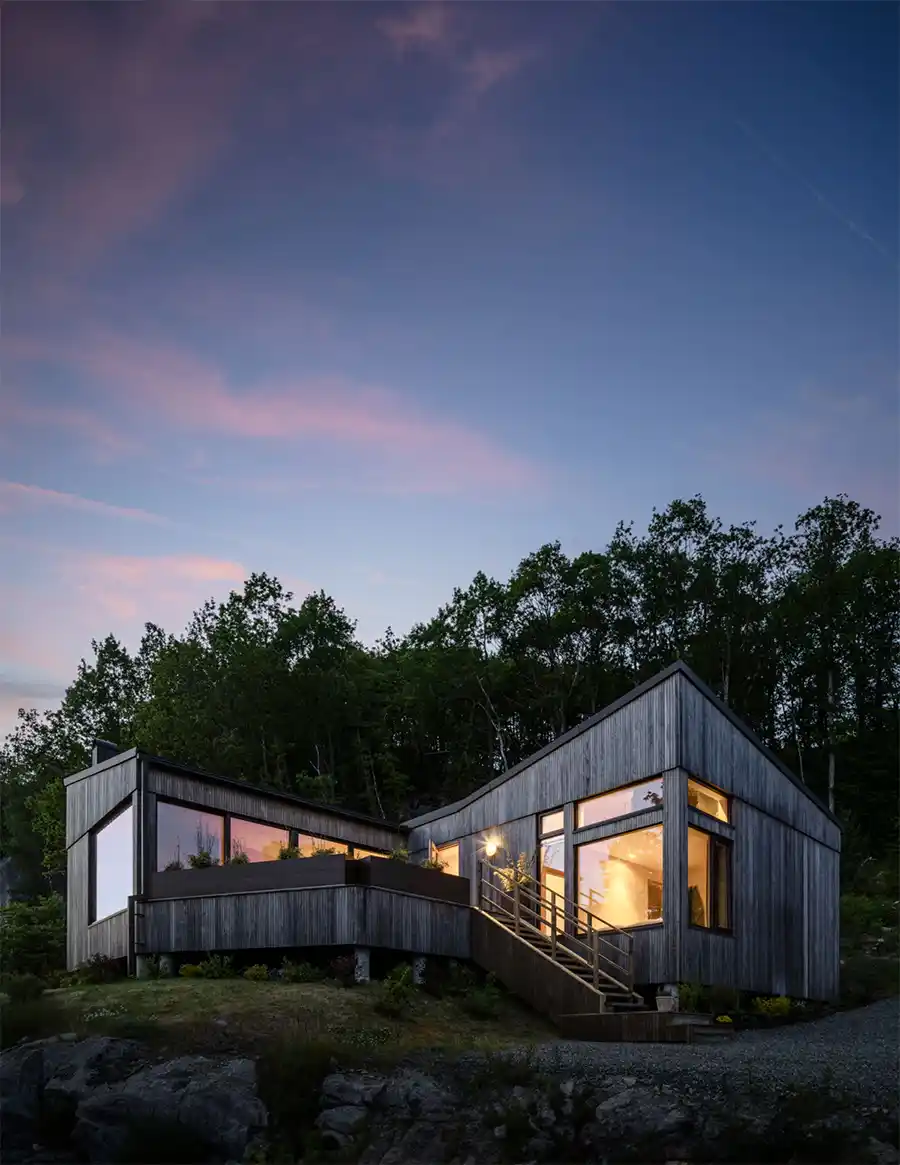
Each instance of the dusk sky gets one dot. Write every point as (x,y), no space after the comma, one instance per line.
(374,297)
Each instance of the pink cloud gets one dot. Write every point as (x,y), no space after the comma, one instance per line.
(145,108)
(15,493)
(164,589)
(411,451)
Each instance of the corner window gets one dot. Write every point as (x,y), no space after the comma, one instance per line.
(113,871)
(620,879)
(620,802)
(707,800)
(709,880)
(183,834)
(260,843)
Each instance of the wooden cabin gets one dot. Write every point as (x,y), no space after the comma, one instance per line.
(657,842)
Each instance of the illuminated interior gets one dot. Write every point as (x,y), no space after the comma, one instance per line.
(553,879)
(707,800)
(709,880)
(449,855)
(620,802)
(620,879)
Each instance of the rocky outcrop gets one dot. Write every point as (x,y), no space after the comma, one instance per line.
(102,1100)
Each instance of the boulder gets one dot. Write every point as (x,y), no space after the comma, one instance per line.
(208,1103)
(346,1088)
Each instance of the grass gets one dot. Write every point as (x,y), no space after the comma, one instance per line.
(233,1016)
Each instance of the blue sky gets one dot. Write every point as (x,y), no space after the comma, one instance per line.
(373,297)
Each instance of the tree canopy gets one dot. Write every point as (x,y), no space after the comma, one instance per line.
(798,632)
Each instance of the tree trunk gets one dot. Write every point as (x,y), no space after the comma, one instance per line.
(831,740)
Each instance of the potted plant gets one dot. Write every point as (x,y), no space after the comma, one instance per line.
(666,999)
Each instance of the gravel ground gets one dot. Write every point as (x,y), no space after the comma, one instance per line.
(855,1052)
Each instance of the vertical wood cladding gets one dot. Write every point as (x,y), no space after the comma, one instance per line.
(321,916)
(91,798)
(256,804)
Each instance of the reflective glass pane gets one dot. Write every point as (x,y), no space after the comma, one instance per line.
(114,865)
(449,855)
(183,833)
(698,877)
(619,802)
(309,846)
(261,843)
(553,881)
(707,800)
(552,822)
(620,878)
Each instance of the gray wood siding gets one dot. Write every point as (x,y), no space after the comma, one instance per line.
(253,803)
(674,877)
(710,824)
(91,798)
(785,902)
(109,936)
(328,916)
(636,741)
(713,749)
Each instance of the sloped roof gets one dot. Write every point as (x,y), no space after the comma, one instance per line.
(677,668)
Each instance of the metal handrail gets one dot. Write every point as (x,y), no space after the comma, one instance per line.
(629,938)
(569,941)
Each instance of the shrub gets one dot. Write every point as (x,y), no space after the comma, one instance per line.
(319,851)
(690,997)
(868,978)
(343,969)
(517,873)
(482,1002)
(288,852)
(190,971)
(22,988)
(434,864)
(239,858)
(100,969)
(216,967)
(31,1019)
(869,925)
(258,973)
(400,855)
(722,1000)
(300,972)
(775,1006)
(397,992)
(33,936)
(175,864)
(201,860)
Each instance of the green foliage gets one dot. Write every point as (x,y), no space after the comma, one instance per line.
(400,855)
(238,857)
(22,988)
(397,992)
(868,978)
(258,973)
(288,853)
(434,864)
(319,851)
(216,967)
(33,936)
(190,971)
(175,864)
(31,1019)
(722,1000)
(690,998)
(774,1007)
(100,969)
(300,972)
(517,873)
(202,860)
(869,924)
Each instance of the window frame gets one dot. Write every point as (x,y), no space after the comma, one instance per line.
(122,807)
(293,832)
(545,833)
(654,923)
(437,850)
(725,845)
(622,816)
(726,797)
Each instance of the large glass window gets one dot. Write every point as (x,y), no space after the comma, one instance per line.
(709,880)
(358,852)
(113,865)
(552,869)
(182,833)
(309,846)
(707,800)
(620,879)
(261,843)
(621,802)
(449,855)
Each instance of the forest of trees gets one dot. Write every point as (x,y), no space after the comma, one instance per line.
(798,632)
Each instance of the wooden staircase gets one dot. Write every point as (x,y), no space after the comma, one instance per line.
(574,939)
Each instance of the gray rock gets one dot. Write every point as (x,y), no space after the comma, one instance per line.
(21,1085)
(343,1088)
(345,1119)
(213,1102)
(417,1094)
(881,1153)
(423,1142)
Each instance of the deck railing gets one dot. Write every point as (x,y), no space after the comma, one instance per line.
(533,910)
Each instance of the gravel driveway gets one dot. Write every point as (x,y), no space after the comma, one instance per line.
(856,1052)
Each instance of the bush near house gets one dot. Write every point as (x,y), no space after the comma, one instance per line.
(33,937)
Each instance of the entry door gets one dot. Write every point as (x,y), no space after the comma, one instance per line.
(553,880)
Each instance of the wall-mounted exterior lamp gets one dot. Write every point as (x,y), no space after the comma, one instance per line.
(491,845)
